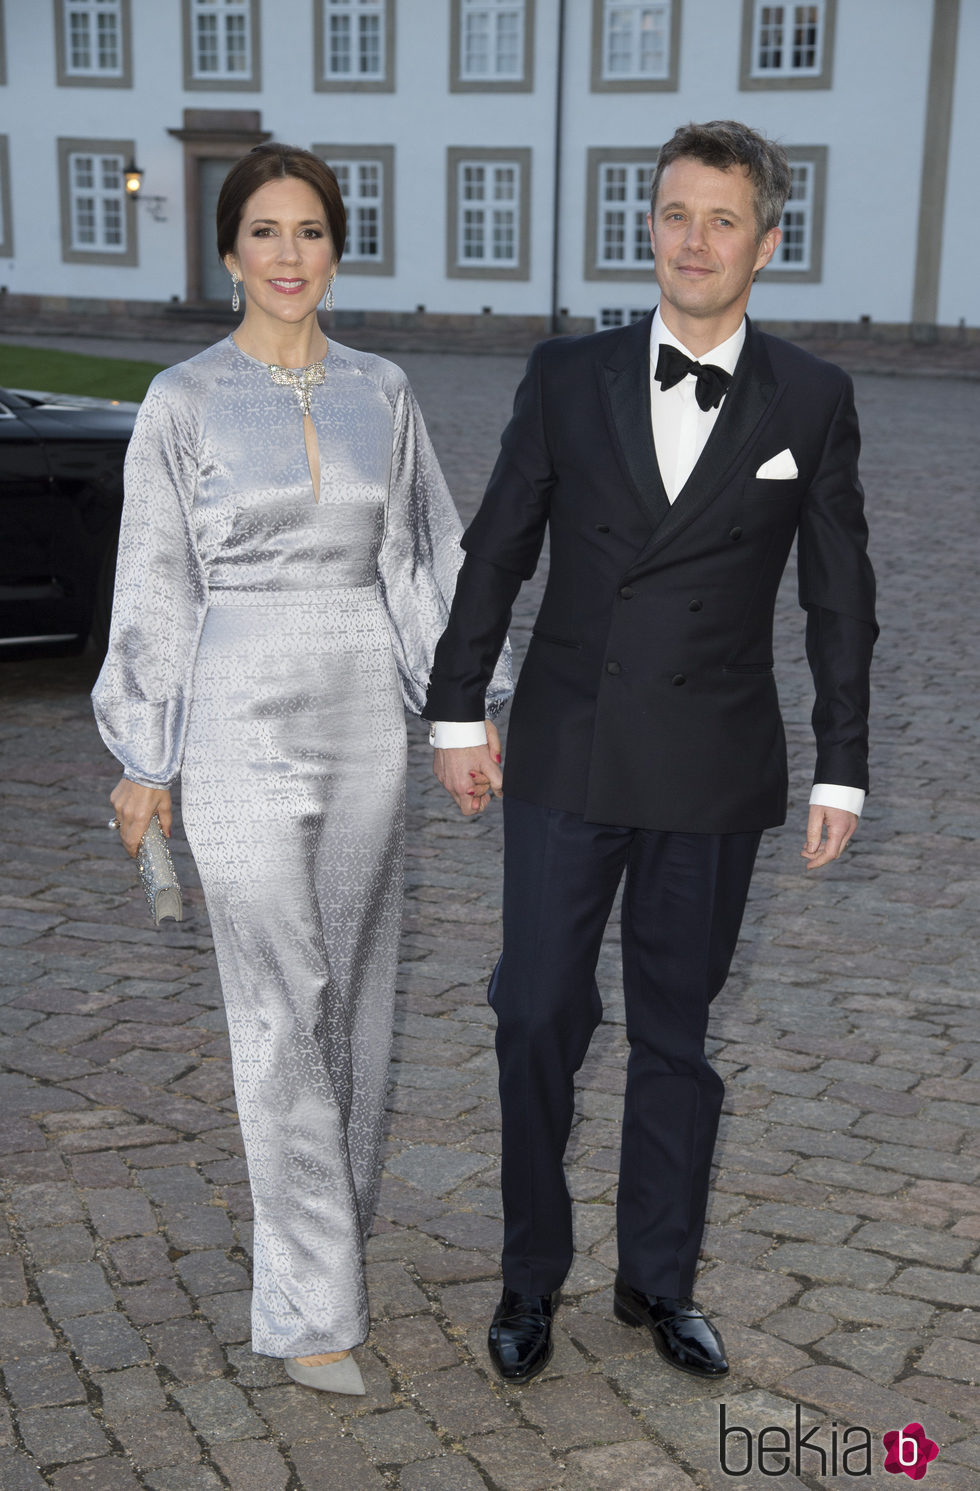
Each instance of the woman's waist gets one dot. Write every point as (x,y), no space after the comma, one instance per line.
(306,627)
(354,589)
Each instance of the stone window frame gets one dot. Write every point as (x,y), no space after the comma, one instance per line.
(750,80)
(251,83)
(599,83)
(774,273)
(598,156)
(68,146)
(383,155)
(66,79)
(504,155)
(459,84)
(6,211)
(324,84)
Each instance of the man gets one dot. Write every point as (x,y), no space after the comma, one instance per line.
(674,460)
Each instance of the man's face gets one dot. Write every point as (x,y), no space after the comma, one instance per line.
(704,236)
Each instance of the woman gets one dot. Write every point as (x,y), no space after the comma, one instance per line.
(288,552)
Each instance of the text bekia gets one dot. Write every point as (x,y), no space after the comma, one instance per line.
(822,1450)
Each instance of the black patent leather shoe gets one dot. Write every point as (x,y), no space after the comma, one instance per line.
(681,1332)
(519,1340)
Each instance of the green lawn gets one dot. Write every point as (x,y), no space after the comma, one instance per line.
(72,372)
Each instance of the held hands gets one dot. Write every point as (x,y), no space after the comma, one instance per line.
(471,774)
(135,806)
(839,826)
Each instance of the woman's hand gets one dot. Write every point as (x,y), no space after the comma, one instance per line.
(135,806)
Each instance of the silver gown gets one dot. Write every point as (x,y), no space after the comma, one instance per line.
(258,643)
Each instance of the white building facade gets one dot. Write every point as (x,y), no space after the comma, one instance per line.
(495,155)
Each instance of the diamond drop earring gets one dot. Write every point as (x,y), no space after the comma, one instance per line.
(328,298)
(235,301)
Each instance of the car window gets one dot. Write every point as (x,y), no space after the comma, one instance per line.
(10,401)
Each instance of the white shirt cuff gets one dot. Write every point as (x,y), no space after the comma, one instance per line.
(825,795)
(448,735)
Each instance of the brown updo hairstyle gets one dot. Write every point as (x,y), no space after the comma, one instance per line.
(274,162)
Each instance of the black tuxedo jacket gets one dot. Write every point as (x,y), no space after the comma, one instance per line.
(647,698)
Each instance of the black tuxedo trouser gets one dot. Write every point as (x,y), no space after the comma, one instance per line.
(682,908)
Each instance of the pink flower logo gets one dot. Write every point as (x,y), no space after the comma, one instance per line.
(909,1450)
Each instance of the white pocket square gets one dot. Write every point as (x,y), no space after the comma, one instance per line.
(778,468)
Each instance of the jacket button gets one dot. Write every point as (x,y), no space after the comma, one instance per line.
(736,533)
(627,593)
(613,668)
(602,528)
(678,679)
(695,605)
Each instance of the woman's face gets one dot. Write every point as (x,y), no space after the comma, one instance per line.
(283,254)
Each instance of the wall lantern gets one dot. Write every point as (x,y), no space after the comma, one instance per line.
(133,177)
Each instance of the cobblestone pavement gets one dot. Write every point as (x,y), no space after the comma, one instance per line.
(841,1256)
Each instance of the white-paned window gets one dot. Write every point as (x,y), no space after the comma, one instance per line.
(354,40)
(97,198)
(92,38)
(362,188)
(221,39)
(796,249)
(489,199)
(620,315)
(635,40)
(624,201)
(366,177)
(787,40)
(491,41)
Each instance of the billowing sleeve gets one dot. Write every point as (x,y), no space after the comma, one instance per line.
(420,559)
(142,694)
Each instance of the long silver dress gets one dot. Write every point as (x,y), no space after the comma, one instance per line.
(258,641)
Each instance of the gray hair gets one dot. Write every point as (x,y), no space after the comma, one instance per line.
(724,143)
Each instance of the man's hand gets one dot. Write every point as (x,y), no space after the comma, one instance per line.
(471,774)
(837,824)
(135,806)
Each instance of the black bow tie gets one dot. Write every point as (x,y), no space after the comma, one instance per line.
(673,365)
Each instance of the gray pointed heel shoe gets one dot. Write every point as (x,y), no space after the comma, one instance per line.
(331,1377)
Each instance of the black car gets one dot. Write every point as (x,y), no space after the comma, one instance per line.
(61,490)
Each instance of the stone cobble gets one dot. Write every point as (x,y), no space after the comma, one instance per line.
(841,1259)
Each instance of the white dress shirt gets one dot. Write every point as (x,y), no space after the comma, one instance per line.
(680,426)
(680,432)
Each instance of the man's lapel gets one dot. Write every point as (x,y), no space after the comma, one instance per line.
(624,388)
(752,393)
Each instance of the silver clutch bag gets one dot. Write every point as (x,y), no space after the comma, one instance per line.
(158,875)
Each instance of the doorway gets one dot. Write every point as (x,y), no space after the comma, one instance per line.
(211,172)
